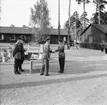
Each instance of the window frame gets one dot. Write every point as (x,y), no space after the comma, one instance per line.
(12,37)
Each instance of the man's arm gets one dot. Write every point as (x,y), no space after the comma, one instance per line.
(60,49)
(15,50)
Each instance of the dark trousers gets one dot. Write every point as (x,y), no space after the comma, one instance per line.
(20,64)
(105,50)
(16,65)
(61,64)
(45,67)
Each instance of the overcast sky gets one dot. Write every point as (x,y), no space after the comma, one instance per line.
(17,12)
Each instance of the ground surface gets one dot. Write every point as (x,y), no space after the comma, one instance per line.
(84,81)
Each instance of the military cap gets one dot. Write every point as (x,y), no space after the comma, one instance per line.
(21,38)
(48,38)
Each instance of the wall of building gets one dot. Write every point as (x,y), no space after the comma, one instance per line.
(54,38)
(92,34)
(105,37)
(11,38)
(98,36)
(85,37)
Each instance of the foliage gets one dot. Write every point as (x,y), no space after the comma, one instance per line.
(102,4)
(40,19)
(74,21)
(84,2)
(84,16)
(80,1)
(103,18)
(75,24)
(103,14)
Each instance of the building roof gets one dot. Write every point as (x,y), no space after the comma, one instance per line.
(62,32)
(15,30)
(102,28)
(21,30)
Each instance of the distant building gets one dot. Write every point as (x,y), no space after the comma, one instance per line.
(94,33)
(10,34)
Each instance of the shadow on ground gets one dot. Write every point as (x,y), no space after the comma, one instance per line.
(71,67)
(50,81)
(76,67)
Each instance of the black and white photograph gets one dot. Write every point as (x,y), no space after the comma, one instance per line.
(53,52)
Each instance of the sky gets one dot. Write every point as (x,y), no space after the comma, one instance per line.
(17,12)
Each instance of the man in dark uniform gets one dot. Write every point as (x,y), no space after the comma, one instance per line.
(22,55)
(61,55)
(18,54)
(45,58)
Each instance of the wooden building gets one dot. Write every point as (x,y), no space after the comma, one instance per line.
(94,33)
(10,34)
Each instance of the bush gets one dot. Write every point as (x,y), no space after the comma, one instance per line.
(96,46)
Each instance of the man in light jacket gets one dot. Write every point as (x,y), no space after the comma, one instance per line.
(45,58)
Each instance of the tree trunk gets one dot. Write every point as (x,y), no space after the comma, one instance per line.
(84,14)
(98,12)
(58,19)
(68,42)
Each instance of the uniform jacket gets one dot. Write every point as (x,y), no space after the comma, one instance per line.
(18,52)
(46,51)
(61,50)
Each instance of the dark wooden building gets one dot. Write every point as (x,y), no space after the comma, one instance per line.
(94,33)
(10,34)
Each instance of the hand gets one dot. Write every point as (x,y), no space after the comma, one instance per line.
(53,51)
(24,50)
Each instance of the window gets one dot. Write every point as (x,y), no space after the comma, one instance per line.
(12,37)
(1,37)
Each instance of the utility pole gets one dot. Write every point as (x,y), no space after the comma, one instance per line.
(58,19)
(68,42)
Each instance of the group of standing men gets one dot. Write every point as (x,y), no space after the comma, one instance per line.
(18,54)
(46,56)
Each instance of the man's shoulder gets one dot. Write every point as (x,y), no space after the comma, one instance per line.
(46,45)
(15,45)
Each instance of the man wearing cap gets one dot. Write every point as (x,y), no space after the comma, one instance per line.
(18,54)
(45,57)
(61,55)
